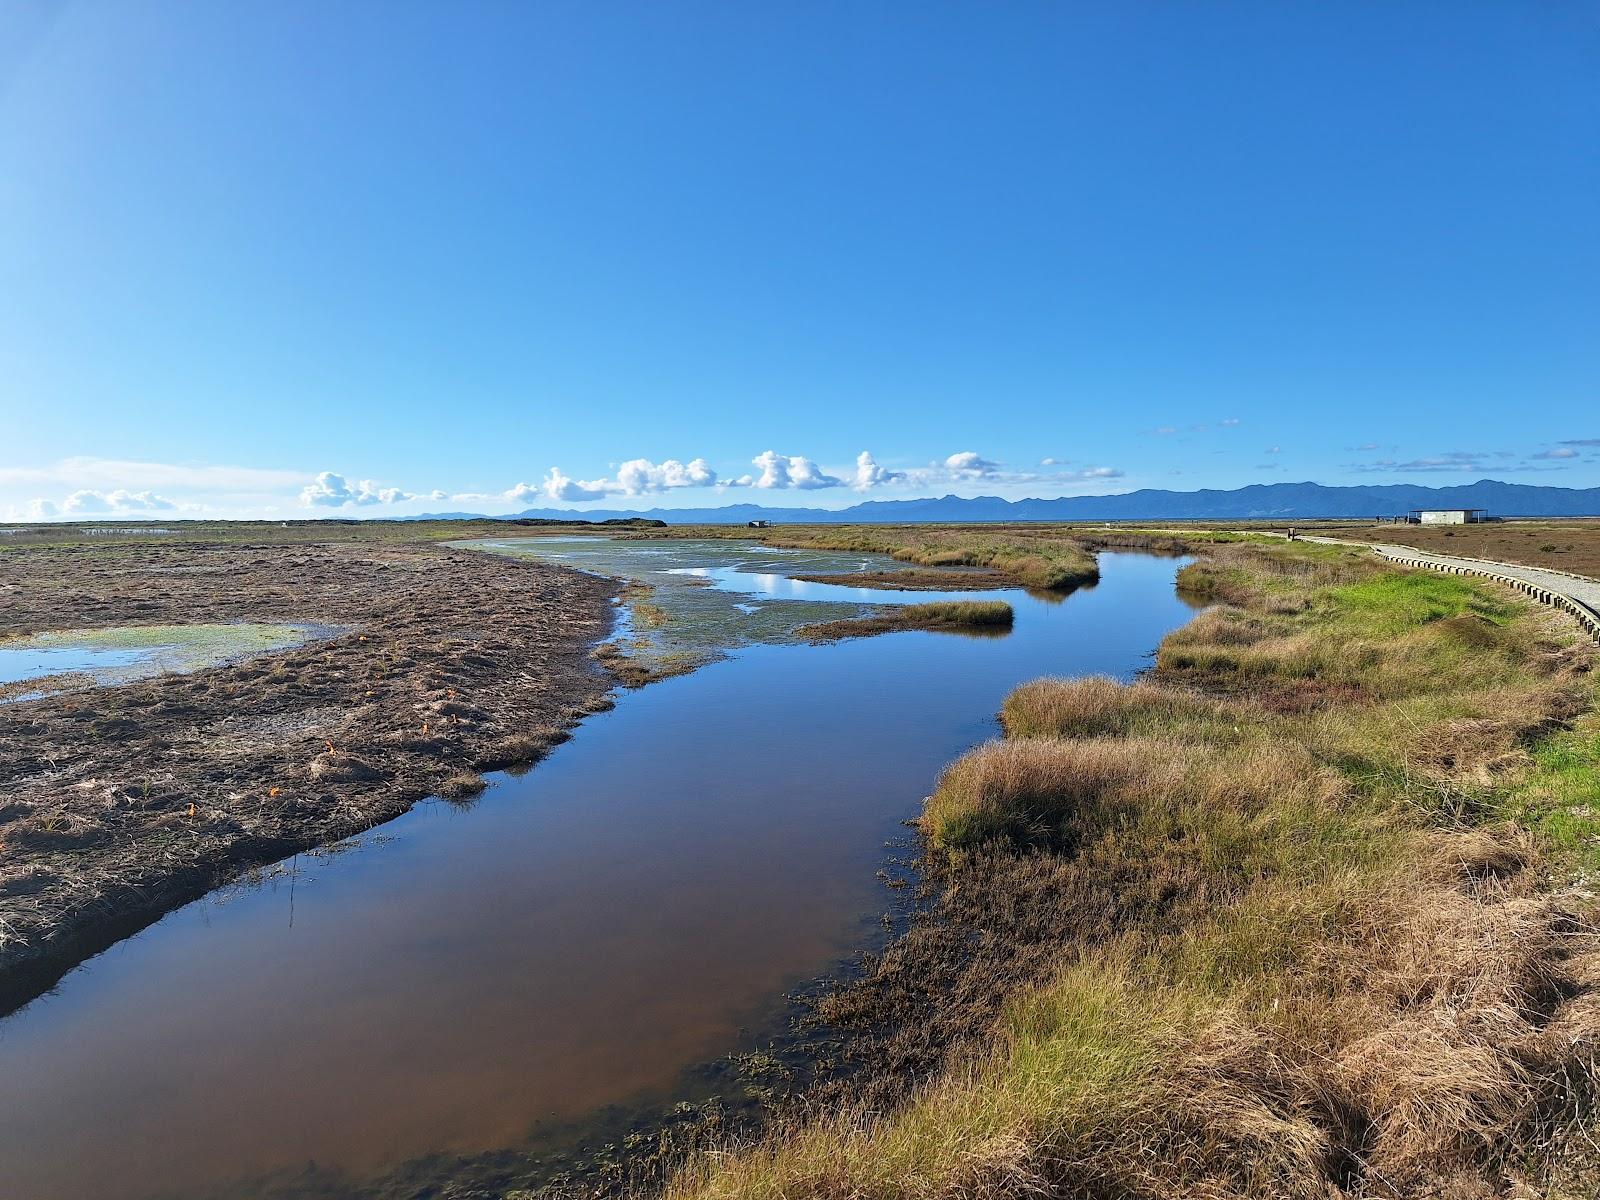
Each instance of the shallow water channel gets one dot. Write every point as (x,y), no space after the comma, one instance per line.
(578,938)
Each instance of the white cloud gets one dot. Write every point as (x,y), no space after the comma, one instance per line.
(636,477)
(1229,422)
(968,464)
(118,501)
(1274,449)
(870,475)
(1558,452)
(114,486)
(787,471)
(332,490)
(1454,460)
(558,487)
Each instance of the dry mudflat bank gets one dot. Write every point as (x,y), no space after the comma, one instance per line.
(118,804)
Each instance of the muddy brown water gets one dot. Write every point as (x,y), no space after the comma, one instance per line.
(576,939)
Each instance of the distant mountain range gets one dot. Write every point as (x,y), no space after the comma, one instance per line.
(1258,502)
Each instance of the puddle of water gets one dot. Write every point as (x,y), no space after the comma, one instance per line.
(35,663)
(576,940)
(129,652)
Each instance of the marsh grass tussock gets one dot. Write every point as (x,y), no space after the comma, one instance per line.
(464,785)
(967,613)
(973,617)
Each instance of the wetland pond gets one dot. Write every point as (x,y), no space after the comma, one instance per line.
(581,937)
(72,659)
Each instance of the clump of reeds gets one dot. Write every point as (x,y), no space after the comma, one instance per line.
(463,785)
(971,614)
(1098,706)
(521,749)
(1227,802)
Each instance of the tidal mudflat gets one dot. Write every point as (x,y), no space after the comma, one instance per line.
(581,936)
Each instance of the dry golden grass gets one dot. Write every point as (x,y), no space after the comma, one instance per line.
(1099,706)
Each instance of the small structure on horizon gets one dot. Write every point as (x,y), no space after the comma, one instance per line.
(759,524)
(1448,516)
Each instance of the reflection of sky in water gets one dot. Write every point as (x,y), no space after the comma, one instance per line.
(775,586)
(123,654)
(37,662)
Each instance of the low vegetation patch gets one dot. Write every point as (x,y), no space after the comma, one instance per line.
(1292,917)
(953,616)
(968,614)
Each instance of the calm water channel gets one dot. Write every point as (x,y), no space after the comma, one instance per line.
(578,938)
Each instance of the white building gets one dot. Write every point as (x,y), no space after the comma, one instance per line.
(1449,516)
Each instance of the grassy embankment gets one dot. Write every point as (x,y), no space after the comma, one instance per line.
(1317,938)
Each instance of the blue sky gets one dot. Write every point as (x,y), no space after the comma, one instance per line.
(299,258)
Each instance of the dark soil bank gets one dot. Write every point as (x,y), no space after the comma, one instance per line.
(119,804)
